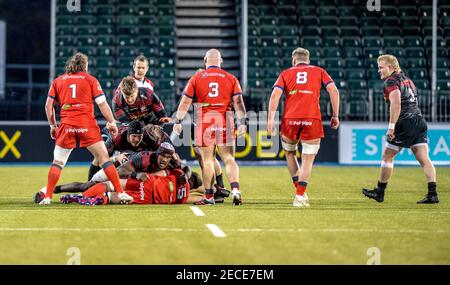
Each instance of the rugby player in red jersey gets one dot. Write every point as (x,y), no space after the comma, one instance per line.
(302,119)
(216,91)
(75,91)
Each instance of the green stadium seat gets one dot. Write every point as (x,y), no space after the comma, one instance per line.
(104,62)
(441,42)
(152,73)
(355,73)
(167,73)
(127,52)
(349,21)
(354,63)
(64,30)
(332,52)
(167,31)
(417,73)
(148,30)
(255,82)
(166,10)
(270,42)
(64,52)
(327,11)
(271,52)
(162,52)
(369,21)
(389,11)
(356,84)
(269,31)
(105,20)
(103,73)
(166,21)
(271,62)
(391,31)
(291,42)
(329,21)
(253,21)
(268,21)
(373,42)
(370,31)
(428,31)
(352,52)
(390,22)
(105,41)
(348,31)
(153,62)
(426,11)
(397,51)
(443,73)
(126,41)
(314,52)
(254,52)
(393,41)
(443,85)
(84,40)
(286,61)
(441,63)
(252,11)
(309,20)
(330,31)
(129,30)
(284,10)
(105,30)
(86,20)
(127,20)
(410,21)
(326,2)
(346,10)
(372,74)
(127,10)
(288,31)
(371,63)
(415,52)
(104,10)
(165,84)
(272,74)
(257,73)
(353,41)
(411,31)
(422,84)
(334,63)
(147,10)
(311,41)
(147,20)
(105,51)
(412,41)
(287,21)
(336,73)
(375,83)
(373,52)
(166,62)
(415,62)
(64,41)
(254,62)
(309,31)
(332,42)
(125,62)
(147,41)
(166,42)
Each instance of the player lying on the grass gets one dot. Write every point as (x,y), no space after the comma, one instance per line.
(158,189)
(407,128)
(132,138)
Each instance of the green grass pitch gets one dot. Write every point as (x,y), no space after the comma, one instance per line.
(340,227)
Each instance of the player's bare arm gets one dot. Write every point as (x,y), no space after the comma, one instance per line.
(183,107)
(394,112)
(273,105)
(127,170)
(334,98)
(51,118)
(241,113)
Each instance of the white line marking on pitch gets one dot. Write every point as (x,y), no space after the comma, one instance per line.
(197,211)
(216,231)
(97,230)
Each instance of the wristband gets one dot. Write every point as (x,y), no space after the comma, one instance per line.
(178,121)
(134,174)
(391,126)
(52,126)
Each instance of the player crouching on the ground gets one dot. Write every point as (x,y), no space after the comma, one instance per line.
(170,189)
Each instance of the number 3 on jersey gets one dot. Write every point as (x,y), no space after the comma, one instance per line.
(214,89)
(302,77)
(74,90)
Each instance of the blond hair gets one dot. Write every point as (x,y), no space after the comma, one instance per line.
(301,54)
(390,60)
(128,85)
(77,63)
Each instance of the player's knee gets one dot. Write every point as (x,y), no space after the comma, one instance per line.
(61,155)
(289,147)
(308,148)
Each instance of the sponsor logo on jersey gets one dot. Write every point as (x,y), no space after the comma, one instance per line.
(141,190)
(78,131)
(300,123)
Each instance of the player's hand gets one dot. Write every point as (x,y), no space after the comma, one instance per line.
(53,130)
(390,134)
(242,129)
(142,176)
(177,128)
(112,128)
(122,158)
(334,123)
(270,128)
(164,120)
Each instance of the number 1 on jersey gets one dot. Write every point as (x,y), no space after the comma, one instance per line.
(74,90)
(214,89)
(302,77)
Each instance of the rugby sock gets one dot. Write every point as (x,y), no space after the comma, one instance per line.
(234,185)
(432,188)
(92,170)
(53,176)
(209,193)
(113,176)
(95,190)
(219,180)
(57,189)
(301,187)
(295,180)
(382,186)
